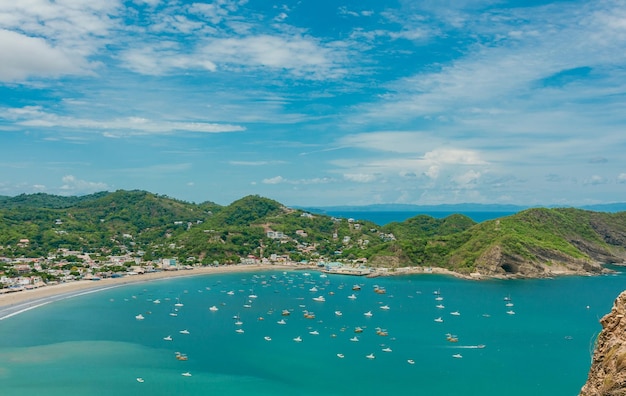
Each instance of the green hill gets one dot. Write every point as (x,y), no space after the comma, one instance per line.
(531,243)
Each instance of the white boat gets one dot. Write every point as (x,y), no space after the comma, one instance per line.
(178,303)
(457,356)
(313,289)
(213,308)
(439,298)
(439,320)
(298,339)
(511,312)
(168,338)
(509,304)
(340,355)
(252,296)
(371,356)
(281,322)
(173,314)
(410,361)
(186,374)
(352,297)
(440,306)
(387,349)
(267,338)
(314,332)
(354,339)
(157,301)
(139,379)
(240,331)
(368,314)
(385,307)
(238,323)
(139,317)
(230,293)
(338,313)
(319,298)
(184,331)
(455,313)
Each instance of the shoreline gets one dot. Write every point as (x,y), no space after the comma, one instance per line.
(13,303)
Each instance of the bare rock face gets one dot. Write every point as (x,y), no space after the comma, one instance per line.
(607,376)
(546,263)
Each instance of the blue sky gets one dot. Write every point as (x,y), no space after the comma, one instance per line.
(316,102)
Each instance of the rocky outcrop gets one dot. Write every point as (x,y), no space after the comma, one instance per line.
(494,262)
(607,376)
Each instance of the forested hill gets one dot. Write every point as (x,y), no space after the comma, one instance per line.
(534,242)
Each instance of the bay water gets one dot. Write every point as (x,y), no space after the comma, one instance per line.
(94,344)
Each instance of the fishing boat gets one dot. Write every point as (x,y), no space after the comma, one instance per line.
(368,314)
(439,320)
(184,331)
(457,356)
(240,331)
(285,312)
(352,297)
(354,339)
(181,356)
(371,356)
(281,322)
(319,298)
(358,329)
(298,339)
(139,317)
(213,308)
(356,287)
(314,332)
(186,374)
(387,349)
(385,307)
(168,338)
(455,313)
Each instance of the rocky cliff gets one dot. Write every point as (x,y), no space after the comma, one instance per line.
(607,375)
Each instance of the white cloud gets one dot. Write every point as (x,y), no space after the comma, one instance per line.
(282,180)
(467,179)
(274,180)
(24,56)
(256,163)
(72,185)
(359,177)
(35,116)
(41,38)
(595,180)
(391,141)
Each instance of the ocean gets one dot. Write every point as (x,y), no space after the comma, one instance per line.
(95,345)
(382,218)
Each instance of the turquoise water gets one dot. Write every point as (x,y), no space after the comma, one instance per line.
(94,345)
(383,218)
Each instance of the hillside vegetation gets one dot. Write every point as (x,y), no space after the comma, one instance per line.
(534,242)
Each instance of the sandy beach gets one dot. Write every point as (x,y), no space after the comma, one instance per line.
(16,302)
